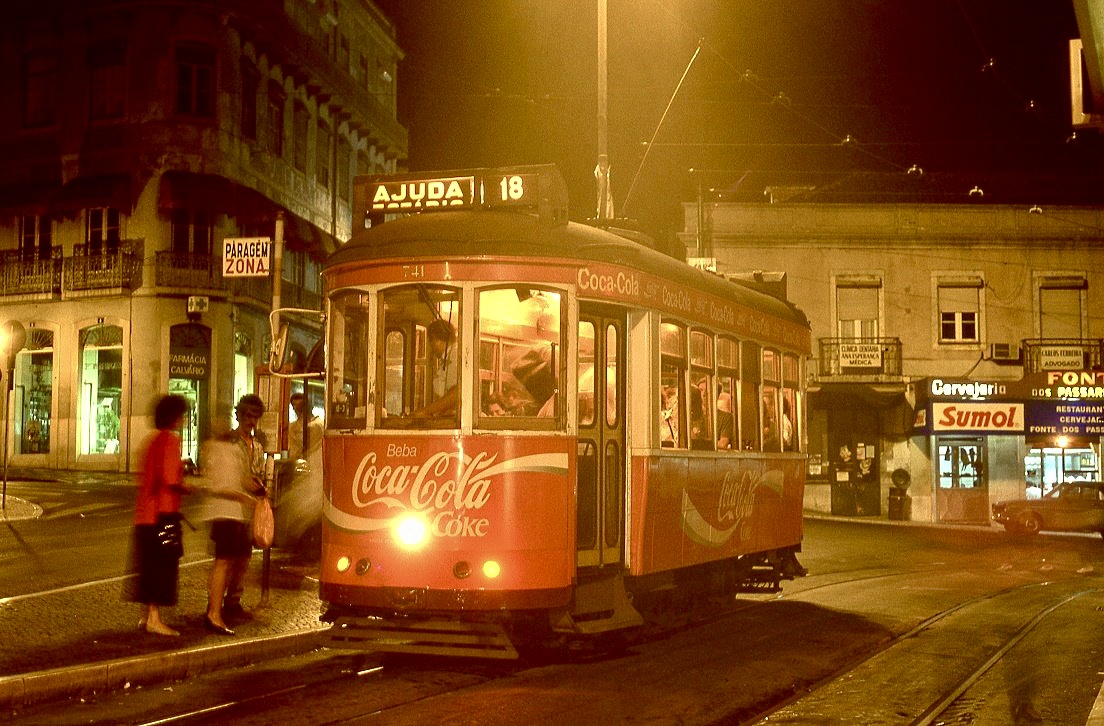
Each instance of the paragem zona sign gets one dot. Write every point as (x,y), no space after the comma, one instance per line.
(246,256)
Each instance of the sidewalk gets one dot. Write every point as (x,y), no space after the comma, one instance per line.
(85,639)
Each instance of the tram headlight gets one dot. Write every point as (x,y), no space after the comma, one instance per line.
(411,531)
(343,563)
(491,569)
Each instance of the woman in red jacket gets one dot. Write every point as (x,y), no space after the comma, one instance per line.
(158,539)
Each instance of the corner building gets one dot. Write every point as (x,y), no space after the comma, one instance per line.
(958,348)
(137,137)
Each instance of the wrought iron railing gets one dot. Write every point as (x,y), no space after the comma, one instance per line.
(24,274)
(182,269)
(860,357)
(104,266)
(1049,354)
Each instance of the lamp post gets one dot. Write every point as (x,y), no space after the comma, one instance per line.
(12,338)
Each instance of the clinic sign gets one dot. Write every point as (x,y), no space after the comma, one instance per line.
(246,256)
(860,355)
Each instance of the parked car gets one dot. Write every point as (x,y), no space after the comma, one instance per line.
(1069,507)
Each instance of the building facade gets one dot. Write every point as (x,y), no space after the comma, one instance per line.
(137,138)
(958,348)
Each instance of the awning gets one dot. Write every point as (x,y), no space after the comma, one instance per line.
(106,190)
(856,395)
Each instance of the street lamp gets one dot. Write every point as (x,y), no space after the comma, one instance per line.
(12,339)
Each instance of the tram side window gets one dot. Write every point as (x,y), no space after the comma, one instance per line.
(520,357)
(672,372)
(750,432)
(701,391)
(728,378)
(772,421)
(348,355)
(791,384)
(586,414)
(418,376)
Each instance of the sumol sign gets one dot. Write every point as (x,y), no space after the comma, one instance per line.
(246,256)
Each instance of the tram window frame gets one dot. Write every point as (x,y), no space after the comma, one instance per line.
(672,374)
(727,383)
(701,390)
(350,321)
(511,354)
(586,411)
(751,433)
(791,400)
(412,310)
(771,399)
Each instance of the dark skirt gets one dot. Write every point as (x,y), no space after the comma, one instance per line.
(155,566)
(232,539)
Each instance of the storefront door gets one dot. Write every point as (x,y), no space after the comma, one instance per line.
(962,486)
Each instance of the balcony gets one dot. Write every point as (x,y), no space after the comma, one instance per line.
(1062,354)
(21,274)
(859,359)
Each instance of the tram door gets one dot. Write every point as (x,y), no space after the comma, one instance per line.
(601,447)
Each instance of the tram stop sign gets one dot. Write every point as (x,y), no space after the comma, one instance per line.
(246,256)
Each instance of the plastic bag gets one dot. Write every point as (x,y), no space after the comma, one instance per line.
(264,524)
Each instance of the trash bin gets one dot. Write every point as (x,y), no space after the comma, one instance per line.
(900,505)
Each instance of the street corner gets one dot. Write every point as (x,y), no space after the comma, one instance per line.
(14,510)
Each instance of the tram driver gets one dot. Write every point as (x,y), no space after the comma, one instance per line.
(441,337)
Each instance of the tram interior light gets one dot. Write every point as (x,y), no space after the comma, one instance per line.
(411,531)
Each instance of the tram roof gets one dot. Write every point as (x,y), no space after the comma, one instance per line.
(467,233)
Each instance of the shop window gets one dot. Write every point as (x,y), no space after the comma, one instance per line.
(189,376)
(959,305)
(101,389)
(195,81)
(243,369)
(672,373)
(520,349)
(420,372)
(33,393)
(857,308)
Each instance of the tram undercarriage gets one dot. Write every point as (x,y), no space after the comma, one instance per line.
(603,604)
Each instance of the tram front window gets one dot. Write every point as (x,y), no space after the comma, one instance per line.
(348,371)
(418,375)
(519,356)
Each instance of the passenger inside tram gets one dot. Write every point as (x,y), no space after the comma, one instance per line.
(441,337)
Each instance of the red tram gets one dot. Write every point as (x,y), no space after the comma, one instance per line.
(532,424)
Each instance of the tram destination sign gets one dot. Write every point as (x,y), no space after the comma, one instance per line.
(246,256)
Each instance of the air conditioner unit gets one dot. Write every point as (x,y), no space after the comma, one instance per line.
(1004,352)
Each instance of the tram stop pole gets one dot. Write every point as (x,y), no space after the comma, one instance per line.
(270,468)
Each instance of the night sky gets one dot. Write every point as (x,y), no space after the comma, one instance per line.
(973,92)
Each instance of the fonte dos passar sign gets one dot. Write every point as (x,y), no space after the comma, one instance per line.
(246,256)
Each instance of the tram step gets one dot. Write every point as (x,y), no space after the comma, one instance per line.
(424,637)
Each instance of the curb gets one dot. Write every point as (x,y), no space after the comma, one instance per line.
(75,681)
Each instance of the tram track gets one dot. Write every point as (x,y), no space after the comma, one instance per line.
(999,623)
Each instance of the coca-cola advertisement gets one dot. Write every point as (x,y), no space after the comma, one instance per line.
(476,496)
